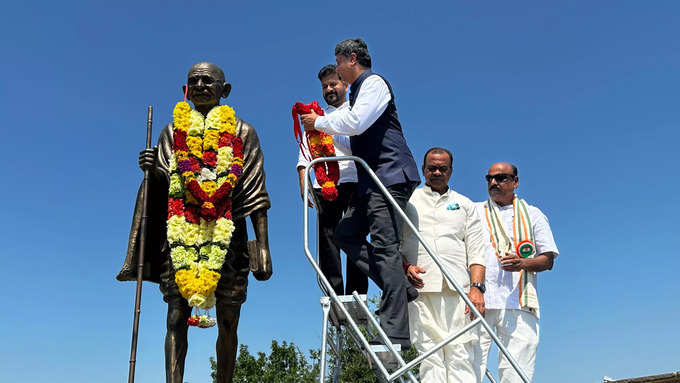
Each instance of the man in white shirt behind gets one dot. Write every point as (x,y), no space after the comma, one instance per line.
(449,223)
(519,244)
(334,91)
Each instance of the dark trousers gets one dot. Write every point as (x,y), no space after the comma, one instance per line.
(371,213)
(329,214)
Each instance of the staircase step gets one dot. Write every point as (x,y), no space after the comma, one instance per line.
(354,309)
(382,348)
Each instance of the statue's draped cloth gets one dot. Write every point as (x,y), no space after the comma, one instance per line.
(249,195)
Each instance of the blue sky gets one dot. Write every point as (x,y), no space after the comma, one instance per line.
(581,96)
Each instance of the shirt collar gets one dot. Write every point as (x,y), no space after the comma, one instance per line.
(506,207)
(355,84)
(430,192)
(331,108)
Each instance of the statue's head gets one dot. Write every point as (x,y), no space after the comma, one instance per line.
(207,85)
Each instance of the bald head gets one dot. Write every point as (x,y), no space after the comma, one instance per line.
(207,86)
(207,67)
(502,181)
(504,167)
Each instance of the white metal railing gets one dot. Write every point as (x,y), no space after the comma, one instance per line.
(404,367)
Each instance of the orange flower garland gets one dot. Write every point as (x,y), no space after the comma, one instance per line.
(320,145)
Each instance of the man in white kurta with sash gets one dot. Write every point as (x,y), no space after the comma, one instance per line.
(519,245)
(450,224)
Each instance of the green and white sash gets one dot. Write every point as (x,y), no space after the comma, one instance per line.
(522,244)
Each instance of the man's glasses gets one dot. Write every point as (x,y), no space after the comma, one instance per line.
(500,178)
(442,169)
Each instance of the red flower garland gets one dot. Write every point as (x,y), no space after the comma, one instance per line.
(320,145)
(211,203)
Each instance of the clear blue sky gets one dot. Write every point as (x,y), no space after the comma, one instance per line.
(582,96)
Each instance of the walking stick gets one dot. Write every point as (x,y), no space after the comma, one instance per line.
(140,261)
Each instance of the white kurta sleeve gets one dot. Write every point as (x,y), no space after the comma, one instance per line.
(474,237)
(369,105)
(302,160)
(543,236)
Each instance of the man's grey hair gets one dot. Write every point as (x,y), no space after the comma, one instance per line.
(356,46)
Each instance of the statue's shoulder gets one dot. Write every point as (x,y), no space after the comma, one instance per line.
(165,138)
(245,130)
(243,125)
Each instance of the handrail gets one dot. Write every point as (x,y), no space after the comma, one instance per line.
(435,258)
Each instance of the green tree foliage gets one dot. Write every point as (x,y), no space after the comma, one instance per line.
(355,367)
(285,363)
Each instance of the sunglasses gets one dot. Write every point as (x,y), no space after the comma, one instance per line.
(500,178)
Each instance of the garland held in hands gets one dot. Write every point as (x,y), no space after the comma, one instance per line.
(206,162)
(320,145)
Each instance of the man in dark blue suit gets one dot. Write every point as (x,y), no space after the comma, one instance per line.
(376,136)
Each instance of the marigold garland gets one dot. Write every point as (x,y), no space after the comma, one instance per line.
(206,163)
(320,145)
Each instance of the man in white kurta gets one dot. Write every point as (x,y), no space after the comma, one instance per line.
(514,319)
(449,223)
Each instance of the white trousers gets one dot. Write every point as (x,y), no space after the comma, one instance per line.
(518,332)
(432,318)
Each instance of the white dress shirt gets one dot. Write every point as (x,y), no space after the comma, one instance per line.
(348,171)
(502,287)
(370,104)
(450,225)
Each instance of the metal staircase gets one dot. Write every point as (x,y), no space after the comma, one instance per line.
(351,311)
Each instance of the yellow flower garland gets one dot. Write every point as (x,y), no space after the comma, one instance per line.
(198,250)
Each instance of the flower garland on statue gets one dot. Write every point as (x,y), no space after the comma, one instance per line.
(320,145)
(202,321)
(206,163)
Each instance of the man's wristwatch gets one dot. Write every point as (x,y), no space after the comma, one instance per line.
(480,286)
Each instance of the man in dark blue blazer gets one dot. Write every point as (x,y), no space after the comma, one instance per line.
(376,136)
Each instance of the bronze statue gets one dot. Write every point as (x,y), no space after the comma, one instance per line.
(206,86)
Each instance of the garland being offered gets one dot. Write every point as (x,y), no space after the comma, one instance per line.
(206,163)
(320,145)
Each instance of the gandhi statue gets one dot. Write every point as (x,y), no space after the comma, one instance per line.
(206,86)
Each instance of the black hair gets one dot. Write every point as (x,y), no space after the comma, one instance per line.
(327,70)
(356,46)
(438,150)
(514,170)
